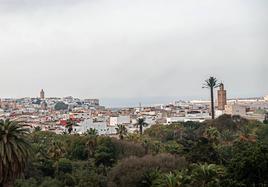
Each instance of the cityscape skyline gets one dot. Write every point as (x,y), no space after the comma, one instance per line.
(135,102)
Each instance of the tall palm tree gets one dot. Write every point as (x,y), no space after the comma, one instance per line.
(141,123)
(211,83)
(121,130)
(14,150)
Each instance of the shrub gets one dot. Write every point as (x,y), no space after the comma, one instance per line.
(131,171)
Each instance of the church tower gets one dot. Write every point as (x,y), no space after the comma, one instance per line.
(222,99)
(42,94)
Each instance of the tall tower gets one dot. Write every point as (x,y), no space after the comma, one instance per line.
(222,100)
(42,94)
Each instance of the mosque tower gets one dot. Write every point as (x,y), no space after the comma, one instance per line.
(42,94)
(222,99)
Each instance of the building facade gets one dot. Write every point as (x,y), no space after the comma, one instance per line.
(42,94)
(235,109)
(222,98)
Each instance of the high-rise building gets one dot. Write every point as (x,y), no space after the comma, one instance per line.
(42,94)
(222,99)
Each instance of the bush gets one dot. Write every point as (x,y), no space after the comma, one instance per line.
(132,171)
(77,148)
(49,182)
(65,165)
(126,149)
(249,163)
(26,183)
(61,106)
(105,153)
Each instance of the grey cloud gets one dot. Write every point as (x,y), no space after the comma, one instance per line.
(132,49)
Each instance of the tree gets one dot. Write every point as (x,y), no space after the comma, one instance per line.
(174,179)
(249,163)
(105,153)
(37,129)
(61,106)
(202,151)
(14,150)
(227,136)
(133,137)
(77,148)
(262,133)
(141,123)
(213,134)
(265,121)
(211,83)
(133,171)
(170,180)
(91,143)
(92,132)
(121,130)
(65,165)
(69,125)
(56,151)
(207,174)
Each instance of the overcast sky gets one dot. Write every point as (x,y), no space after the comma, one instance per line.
(133,49)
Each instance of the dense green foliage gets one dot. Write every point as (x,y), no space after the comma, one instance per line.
(227,151)
(61,106)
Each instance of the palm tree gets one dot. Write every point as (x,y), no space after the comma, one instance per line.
(69,125)
(91,144)
(134,137)
(213,134)
(141,123)
(227,136)
(246,134)
(56,151)
(92,132)
(14,150)
(146,144)
(203,174)
(37,129)
(174,179)
(211,83)
(121,130)
(171,180)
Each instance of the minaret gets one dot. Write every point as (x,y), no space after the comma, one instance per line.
(42,94)
(222,99)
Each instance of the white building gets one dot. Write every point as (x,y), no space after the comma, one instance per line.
(120,120)
(175,119)
(101,127)
(235,109)
(80,115)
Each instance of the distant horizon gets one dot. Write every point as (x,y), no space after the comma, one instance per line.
(116,102)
